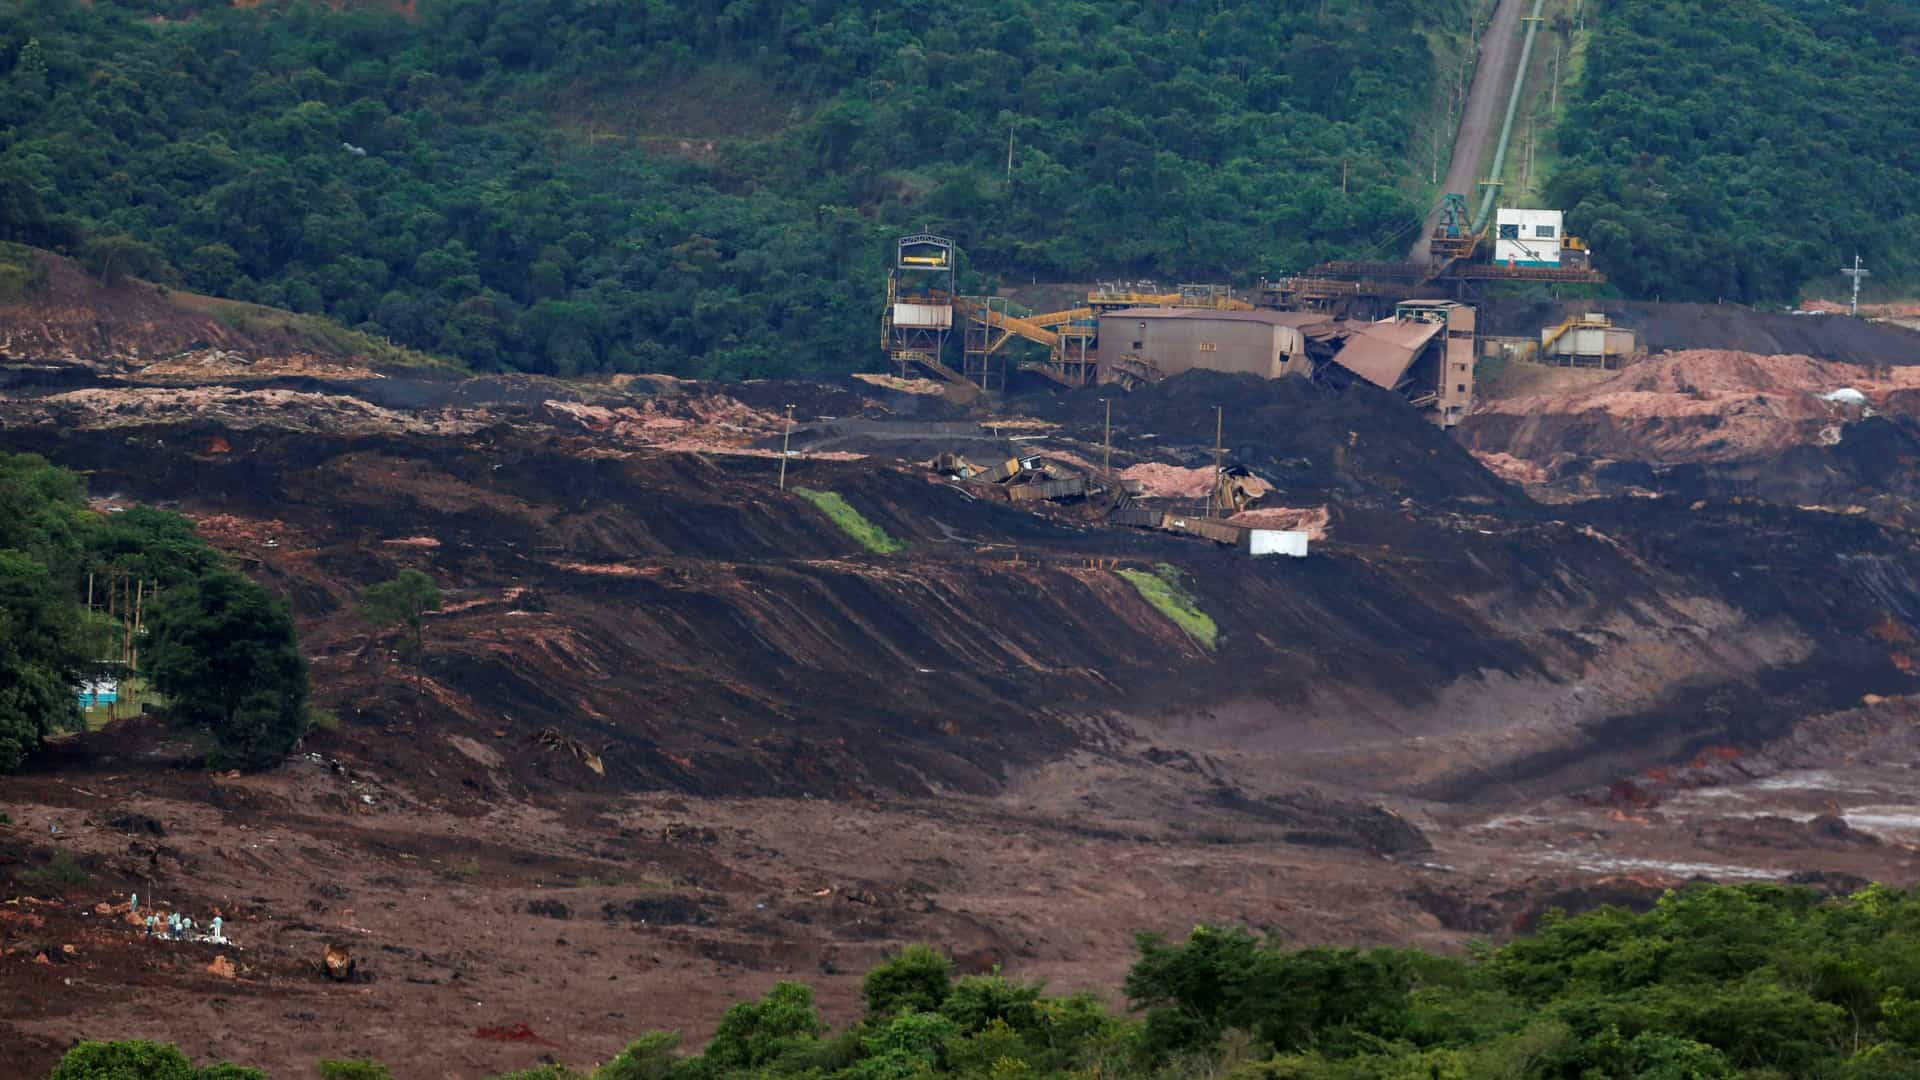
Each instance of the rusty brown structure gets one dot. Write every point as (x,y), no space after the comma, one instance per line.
(1152,343)
(1425,352)
(1458,354)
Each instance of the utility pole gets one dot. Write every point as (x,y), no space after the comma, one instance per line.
(1553,96)
(1009,155)
(1856,274)
(786,433)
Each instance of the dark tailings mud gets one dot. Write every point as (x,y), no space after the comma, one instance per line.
(679,730)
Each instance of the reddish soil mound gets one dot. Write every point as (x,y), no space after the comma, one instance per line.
(1170,481)
(1698,406)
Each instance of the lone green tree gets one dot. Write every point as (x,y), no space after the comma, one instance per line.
(225,655)
(404,602)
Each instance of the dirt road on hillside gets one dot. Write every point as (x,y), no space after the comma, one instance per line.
(1480,124)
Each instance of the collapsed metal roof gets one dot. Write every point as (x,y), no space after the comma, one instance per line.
(1382,352)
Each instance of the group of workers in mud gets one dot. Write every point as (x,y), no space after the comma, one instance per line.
(176,927)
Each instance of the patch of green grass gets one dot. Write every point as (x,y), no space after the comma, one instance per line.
(466,869)
(852,522)
(63,870)
(1163,590)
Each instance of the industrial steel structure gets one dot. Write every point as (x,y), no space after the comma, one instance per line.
(1134,334)
(920,296)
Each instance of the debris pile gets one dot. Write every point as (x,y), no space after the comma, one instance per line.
(1696,406)
(338,963)
(1307,440)
(1157,481)
(1016,479)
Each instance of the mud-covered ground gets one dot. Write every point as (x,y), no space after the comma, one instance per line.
(678,736)
(495,937)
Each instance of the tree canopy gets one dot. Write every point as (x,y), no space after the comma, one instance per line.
(225,656)
(575,186)
(222,648)
(1746,151)
(44,528)
(403,602)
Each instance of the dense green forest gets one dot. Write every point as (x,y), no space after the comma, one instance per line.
(676,185)
(1752,982)
(218,647)
(1746,150)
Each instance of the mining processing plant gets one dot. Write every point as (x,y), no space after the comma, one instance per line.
(1317,325)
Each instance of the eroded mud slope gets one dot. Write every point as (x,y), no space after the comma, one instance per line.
(674,616)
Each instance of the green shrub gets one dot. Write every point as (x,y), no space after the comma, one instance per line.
(229,1071)
(132,1059)
(755,1034)
(916,979)
(353,1069)
(649,1057)
(62,870)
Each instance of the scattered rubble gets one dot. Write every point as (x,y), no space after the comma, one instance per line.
(904,386)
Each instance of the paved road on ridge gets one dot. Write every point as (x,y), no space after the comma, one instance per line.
(1480,124)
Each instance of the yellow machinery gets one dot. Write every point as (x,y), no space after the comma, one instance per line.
(1070,336)
(920,304)
(1545,348)
(923,306)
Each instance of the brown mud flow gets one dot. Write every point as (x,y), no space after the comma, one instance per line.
(678,734)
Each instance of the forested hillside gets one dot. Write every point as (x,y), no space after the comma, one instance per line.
(574,185)
(1744,151)
(221,648)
